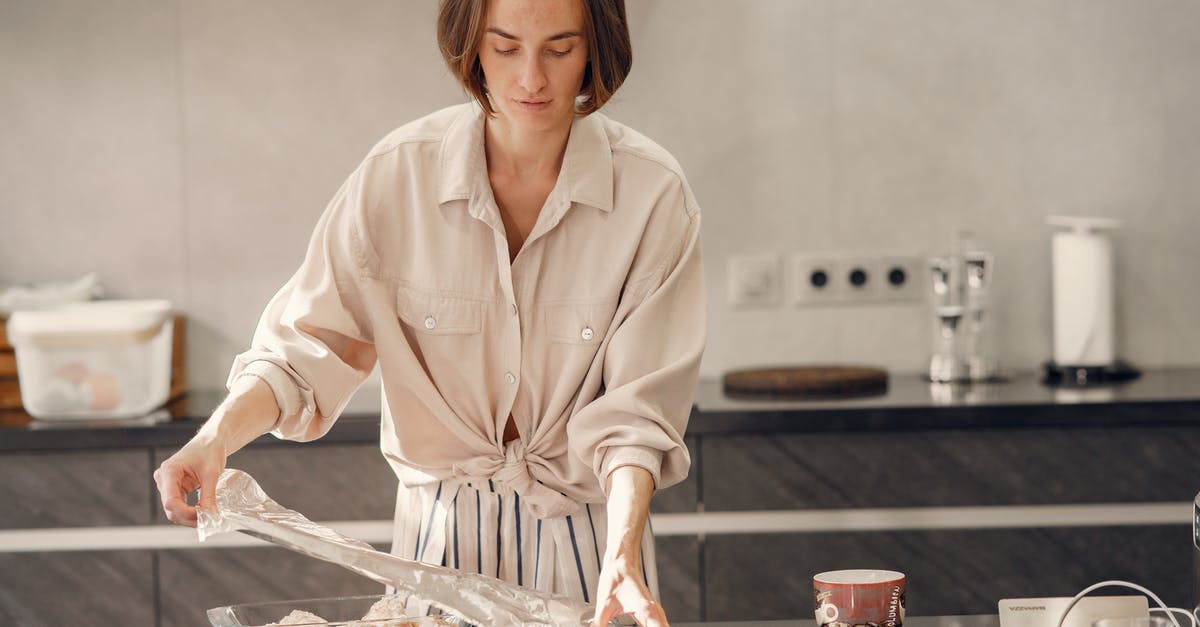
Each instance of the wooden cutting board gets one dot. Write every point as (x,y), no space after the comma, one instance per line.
(814,381)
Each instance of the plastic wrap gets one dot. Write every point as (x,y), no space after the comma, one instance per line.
(243,506)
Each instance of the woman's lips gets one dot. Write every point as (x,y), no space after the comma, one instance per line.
(533,105)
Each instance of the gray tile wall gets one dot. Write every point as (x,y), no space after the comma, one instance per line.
(185,150)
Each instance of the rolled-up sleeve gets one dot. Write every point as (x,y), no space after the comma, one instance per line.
(313,345)
(651,366)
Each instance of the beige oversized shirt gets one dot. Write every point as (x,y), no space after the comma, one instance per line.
(591,338)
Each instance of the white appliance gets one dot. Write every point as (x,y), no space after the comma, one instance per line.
(1084,304)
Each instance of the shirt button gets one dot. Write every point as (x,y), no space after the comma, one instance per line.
(430,322)
(587,334)
(514,309)
(510,377)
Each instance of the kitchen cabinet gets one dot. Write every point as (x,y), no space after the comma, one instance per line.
(74,489)
(77,588)
(991,449)
(950,571)
(766,576)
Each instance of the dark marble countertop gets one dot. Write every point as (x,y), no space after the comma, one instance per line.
(1158,397)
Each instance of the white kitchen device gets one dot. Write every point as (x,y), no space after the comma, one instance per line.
(1084,304)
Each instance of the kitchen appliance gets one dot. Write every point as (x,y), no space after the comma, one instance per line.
(1084,304)
(962,347)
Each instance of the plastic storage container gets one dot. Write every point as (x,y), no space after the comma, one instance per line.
(101,359)
(336,611)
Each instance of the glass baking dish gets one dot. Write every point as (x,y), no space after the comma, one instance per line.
(334,611)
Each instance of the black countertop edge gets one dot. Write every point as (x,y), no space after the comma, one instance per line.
(349,429)
(1129,414)
(1159,398)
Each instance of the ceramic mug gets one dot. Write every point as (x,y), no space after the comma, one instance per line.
(859,598)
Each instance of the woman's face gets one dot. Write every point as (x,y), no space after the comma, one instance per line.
(533,55)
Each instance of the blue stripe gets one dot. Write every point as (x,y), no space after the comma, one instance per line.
(429,526)
(499,521)
(517,513)
(537,560)
(578,562)
(595,542)
(478,532)
(417,546)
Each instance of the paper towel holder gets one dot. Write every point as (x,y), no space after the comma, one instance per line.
(1089,373)
(1087,376)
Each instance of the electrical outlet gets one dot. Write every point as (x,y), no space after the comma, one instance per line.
(754,281)
(903,278)
(857,278)
(813,279)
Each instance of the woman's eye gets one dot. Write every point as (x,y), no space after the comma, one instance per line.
(508,52)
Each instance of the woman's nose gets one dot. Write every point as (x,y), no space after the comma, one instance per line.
(533,77)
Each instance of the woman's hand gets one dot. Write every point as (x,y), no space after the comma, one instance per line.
(197,465)
(249,411)
(621,590)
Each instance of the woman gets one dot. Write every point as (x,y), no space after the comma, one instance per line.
(527,275)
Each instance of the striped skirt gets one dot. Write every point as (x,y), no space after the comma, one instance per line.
(483,527)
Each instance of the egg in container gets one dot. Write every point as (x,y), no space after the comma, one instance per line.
(93,360)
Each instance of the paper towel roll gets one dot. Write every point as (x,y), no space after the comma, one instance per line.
(1083,299)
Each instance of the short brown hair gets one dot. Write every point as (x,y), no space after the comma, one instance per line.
(460,28)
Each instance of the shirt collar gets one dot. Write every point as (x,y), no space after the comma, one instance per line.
(587,169)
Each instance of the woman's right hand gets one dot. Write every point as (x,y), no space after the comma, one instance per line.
(197,465)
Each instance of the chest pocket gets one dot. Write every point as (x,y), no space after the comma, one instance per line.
(436,314)
(584,323)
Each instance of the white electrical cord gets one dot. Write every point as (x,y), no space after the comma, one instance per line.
(1162,607)
(1175,610)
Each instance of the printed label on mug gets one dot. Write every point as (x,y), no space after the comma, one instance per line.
(859,598)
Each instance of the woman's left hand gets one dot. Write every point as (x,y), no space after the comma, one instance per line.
(621,590)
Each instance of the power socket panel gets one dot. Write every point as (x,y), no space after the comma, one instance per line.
(856,278)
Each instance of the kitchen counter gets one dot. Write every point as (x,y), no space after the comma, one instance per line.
(1046,490)
(1158,398)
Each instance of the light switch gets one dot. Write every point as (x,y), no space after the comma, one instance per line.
(755,281)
